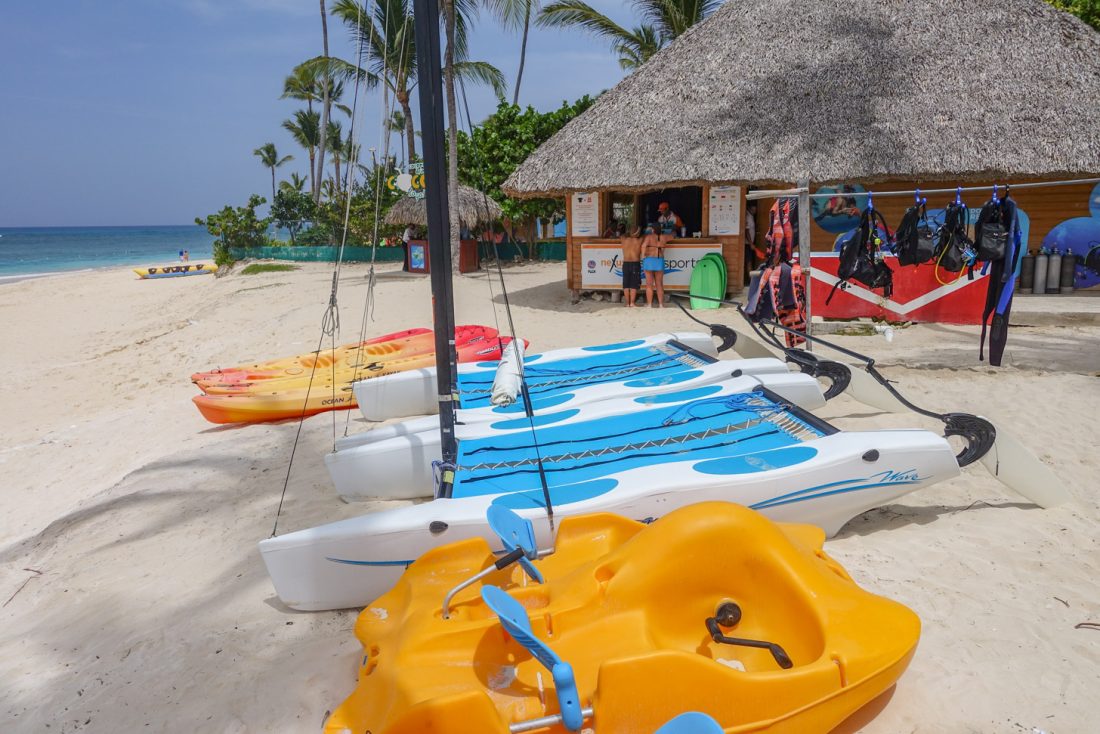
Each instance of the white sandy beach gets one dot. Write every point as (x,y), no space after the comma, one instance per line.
(134,598)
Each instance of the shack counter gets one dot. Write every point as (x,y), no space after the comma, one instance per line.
(601,262)
(713,214)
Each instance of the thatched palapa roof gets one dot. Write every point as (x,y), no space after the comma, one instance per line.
(474,208)
(770,91)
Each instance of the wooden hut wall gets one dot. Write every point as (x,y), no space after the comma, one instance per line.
(1046,207)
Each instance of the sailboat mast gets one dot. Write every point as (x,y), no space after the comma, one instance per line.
(430,92)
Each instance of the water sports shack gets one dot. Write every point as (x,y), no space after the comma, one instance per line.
(843,99)
(711,219)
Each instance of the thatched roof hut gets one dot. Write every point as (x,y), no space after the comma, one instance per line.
(772,91)
(474,208)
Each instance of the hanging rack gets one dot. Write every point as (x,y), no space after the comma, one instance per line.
(958,190)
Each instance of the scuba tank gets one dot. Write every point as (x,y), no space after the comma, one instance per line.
(1054,272)
(1039,283)
(1027,273)
(1069,271)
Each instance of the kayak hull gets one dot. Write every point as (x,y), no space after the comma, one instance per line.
(825,481)
(414,392)
(401,467)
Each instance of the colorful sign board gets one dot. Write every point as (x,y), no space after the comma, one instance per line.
(918,294)
(584,214)
(725,211)
(602,265)
(418,257)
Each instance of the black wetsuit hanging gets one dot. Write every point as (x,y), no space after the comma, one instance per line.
(1002,274)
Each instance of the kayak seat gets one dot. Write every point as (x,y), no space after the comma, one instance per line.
(692,722)
(514,619)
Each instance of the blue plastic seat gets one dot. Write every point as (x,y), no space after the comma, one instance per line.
(514,619)
(516,532)
(691,723)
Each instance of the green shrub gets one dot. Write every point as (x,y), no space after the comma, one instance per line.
(236,227)
(255,268)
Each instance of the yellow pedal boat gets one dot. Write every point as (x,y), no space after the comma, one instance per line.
(712,609)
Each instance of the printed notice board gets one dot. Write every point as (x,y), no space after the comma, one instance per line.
(585,213)
(725,211)
(602,265)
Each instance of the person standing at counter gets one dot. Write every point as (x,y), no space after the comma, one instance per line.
(653,262)
(669,221)
(632,267)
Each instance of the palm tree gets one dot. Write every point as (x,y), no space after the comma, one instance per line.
(389,49)
(269,157)
(296,183)
(661,22)
(396,124)
(338,146)
(304,84)
(513,15)
(301,85)
(326,92)
(305,128)
(389,53)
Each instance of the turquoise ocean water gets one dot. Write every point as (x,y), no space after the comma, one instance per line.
(37,250)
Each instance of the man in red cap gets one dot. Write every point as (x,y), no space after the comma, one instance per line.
(669,220)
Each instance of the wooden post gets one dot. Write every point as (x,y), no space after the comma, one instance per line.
(569,245)
(804,249)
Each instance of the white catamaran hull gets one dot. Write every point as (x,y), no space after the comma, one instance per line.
(400,467)
(836,477)
(570,397)
(415,392)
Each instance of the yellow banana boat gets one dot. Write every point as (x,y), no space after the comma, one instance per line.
(175,271)
(713,609)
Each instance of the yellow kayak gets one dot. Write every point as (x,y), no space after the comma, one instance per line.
(295,397)
(712,608)
(407,343)
(176,271)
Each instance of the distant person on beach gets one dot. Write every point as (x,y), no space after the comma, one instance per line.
(181,256)
(406,237)
(632,266)
(186,255)
(653,262)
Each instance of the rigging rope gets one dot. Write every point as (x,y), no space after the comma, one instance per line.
(507,309)
(330,322)
(379,179)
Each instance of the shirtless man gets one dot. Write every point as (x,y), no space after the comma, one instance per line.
(632,267)
(654,265)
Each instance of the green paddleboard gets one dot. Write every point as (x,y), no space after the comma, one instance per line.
(707,281)
(722,266)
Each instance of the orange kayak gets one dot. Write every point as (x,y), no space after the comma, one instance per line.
(362,363)
(276,399)
(302,364)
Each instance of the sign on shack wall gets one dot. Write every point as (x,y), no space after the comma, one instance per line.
(585,214)
(725,211)
(602,265)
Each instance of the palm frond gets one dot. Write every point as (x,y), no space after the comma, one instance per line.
(481,72)
(565,13)
(511,13)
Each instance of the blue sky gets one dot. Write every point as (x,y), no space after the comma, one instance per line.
(147,111)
